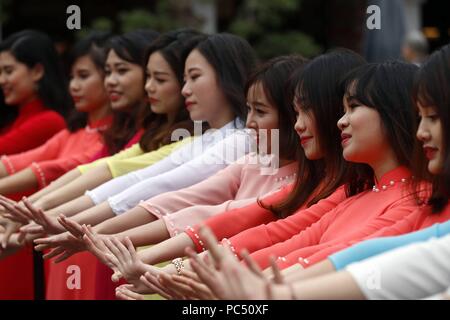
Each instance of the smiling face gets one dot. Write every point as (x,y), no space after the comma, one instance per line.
(205,99)
(363,138)
(124,82)
(162,86)
(307,131)
(262,115)
(17,80)
(430,134)
(86,85)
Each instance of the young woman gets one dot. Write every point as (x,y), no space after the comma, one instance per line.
(239,183)
(409,272)
(322,105)
(389,201)
(33,92)
(86,84)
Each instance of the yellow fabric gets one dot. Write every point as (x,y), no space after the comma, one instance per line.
(133,151)
(120,167)
(133,158)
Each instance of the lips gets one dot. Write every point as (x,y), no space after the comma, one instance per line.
(114,96)
(304,140)
(76,99)
(344,138)
(153,100)
(430,152)
(189,104)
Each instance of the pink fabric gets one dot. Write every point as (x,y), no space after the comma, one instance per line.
(235,186)
(61,153)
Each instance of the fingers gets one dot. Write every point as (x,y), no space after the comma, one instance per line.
(72,226)
(15,212)
(211,243)
(153,283)
(252,265)
(277,276)
(55,252)
(124,293)
(32,229)
(131,248)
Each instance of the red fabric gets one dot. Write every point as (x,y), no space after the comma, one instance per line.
(16,274)
(254,217)
(95,277)
(61,153)
(34,125)
(354,218)
(104,151)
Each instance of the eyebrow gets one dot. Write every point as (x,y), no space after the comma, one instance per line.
(159,73)
(259,104)
(193,69)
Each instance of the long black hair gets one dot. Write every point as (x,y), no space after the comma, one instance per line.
(31,48)
(174,46)
(233,59)
(93,46)
(317,91)
(387,88)
(432,89)
(130,47)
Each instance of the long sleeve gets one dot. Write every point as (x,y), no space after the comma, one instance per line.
(230,223)
(415,271)
(214,190)
(306,220)
(318,242)
(373,247)
(119,167)
(133,151)
(209,162)
(31,134)
(48,151)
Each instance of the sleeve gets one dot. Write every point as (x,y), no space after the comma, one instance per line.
(133,151)
(47,151)
(152,167)
(214,190)
(49,170)
(119,167)
(299,243)
(309,222)
(32,133)
(230,223)
(415,271)
(208,163)
(377,246)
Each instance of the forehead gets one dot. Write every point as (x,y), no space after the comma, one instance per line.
(196,60)
(156,59)
(83,62)
(7,58)
(114,58)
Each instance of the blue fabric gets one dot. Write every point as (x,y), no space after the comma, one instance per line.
(372,247)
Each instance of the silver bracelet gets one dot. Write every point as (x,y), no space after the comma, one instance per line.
(179,265)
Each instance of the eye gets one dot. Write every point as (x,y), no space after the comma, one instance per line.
(260,111)
(122,70)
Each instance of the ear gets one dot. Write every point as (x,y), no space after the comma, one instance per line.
(37,72)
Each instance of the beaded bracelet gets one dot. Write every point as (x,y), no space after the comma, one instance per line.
(179,265)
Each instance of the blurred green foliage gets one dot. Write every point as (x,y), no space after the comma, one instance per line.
(267,25)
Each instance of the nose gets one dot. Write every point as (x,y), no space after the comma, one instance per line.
(110,80)
(251,123)
(300,124)
(423,134)
(186,90)
(343,122)
(149,86)
(73,85)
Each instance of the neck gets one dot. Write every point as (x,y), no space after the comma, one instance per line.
(99,113)
(28,100)
(222,119)
(384,165)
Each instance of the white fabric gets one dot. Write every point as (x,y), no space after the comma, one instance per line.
(186,166)
(415,271)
